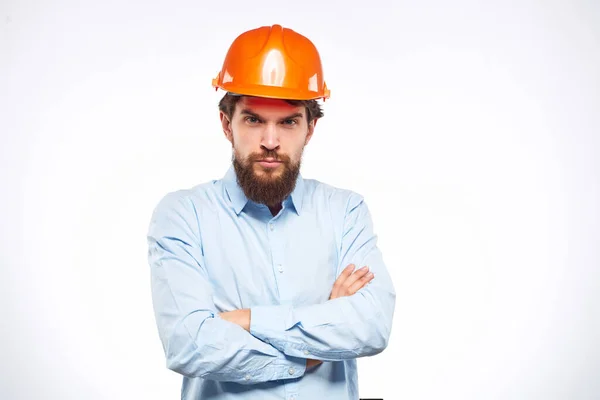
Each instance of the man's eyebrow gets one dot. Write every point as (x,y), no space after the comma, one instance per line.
(296,115)
(246,111)
(252,114)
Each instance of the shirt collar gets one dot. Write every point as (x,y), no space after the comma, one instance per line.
(239,200)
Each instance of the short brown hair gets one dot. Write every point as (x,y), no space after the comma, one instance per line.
(313,108)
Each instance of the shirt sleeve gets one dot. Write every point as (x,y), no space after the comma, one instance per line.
(196,341)
(342,328)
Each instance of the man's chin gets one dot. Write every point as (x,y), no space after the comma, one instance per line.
(265,185)
(268,172)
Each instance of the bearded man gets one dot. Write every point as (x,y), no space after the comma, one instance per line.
(266,285)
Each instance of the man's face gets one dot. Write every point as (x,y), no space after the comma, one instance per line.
(268,137)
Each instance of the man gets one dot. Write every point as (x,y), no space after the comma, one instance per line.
(254,284)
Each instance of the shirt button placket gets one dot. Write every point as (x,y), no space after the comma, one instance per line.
(274,242)
(277,242)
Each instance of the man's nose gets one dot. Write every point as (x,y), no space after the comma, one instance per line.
(270,137)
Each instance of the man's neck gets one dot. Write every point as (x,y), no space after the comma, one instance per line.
(275,209)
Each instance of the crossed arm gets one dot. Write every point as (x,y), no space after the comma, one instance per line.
(348,283)
(263,343)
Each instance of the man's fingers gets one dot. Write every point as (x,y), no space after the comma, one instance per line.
(358,274)
(337,285)
(346,272)
(359,284)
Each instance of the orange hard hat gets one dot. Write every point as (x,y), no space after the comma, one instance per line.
(275,62)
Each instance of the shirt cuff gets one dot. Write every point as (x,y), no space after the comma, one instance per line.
(275,319)
(288,367)
(269,323)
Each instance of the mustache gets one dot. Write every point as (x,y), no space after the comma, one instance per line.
(269,154)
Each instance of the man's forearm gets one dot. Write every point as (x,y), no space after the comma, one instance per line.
(348,283)
(242,318)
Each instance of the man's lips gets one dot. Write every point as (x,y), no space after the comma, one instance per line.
(269,162)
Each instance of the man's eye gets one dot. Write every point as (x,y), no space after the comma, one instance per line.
(290,122)
(252,120)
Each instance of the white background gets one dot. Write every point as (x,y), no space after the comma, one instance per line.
(471,128)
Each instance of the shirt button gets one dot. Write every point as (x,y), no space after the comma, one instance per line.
(247,377)
(291,371)
(271,226)
(306,352)
(280,268)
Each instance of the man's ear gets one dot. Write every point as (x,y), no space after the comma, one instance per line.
(311,130)
(226,124)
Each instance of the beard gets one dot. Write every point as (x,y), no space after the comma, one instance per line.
(271,187)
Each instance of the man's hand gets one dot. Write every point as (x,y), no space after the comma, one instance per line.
(350,282)
(346,284)
(310,363)
(238,317)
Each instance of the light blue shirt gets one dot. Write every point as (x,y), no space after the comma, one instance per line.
(212,250)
